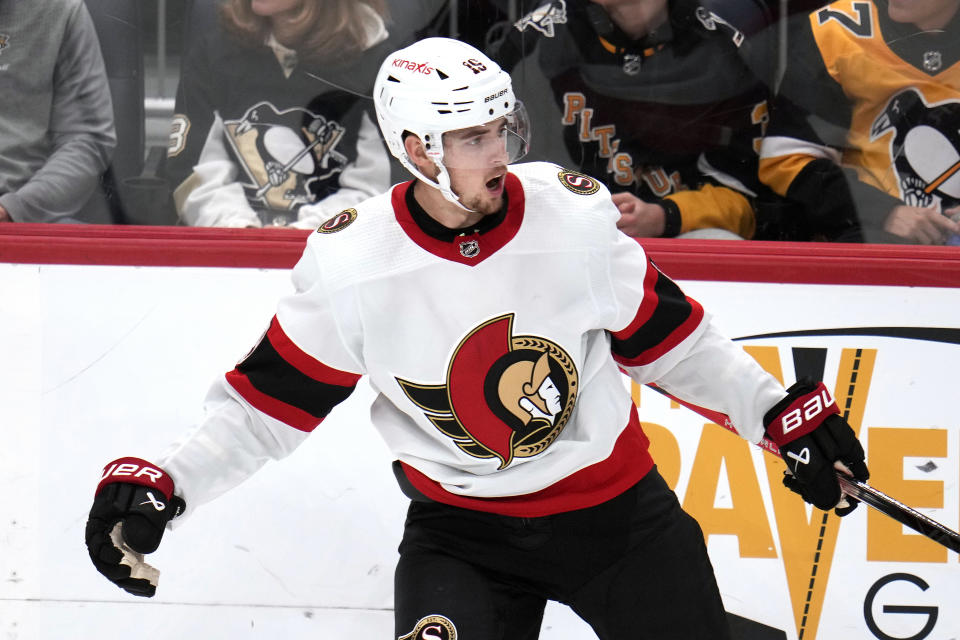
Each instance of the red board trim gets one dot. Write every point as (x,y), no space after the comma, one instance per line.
(717,260)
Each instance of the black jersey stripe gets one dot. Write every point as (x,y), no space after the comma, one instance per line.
(665,317)
(276,387)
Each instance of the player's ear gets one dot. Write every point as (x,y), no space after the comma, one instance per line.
(417,153)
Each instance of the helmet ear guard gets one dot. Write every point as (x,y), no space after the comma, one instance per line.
(438,85)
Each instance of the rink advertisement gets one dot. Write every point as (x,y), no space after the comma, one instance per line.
(864,576)
(105,361)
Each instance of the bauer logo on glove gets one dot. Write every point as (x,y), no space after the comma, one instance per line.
(813,439)
(134,502)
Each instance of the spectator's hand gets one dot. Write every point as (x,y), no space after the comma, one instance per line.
(639,219)
(4,216)
(922,225)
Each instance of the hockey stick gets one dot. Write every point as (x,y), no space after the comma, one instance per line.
(850,486)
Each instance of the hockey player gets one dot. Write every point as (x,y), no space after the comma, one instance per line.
(864,133)
(515,437)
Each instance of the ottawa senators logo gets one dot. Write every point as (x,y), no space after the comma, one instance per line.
(505,396)
(578,183)
(432,628)
(338,222)
(925,150)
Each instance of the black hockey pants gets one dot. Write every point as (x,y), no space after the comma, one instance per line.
(635,568)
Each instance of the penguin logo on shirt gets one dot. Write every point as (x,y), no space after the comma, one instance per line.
(544,17)
(925,148)
(4,41)
(286,155)
(506,396)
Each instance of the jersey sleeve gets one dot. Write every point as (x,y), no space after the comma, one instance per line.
(272,400)
(668,339)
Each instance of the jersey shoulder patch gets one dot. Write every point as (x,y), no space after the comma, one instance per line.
(578,183)
(338,222)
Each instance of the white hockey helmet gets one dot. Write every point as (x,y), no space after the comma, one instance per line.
(437,85)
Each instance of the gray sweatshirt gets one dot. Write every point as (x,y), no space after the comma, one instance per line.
(56,116)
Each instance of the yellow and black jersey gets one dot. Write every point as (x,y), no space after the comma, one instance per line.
(876,99)
(673,117)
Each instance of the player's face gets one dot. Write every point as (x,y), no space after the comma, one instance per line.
(925,14)
(269,8)
(551,395)
(476,158)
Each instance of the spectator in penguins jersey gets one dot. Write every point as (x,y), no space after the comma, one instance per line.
(864,131)
(657,100)
(273,122)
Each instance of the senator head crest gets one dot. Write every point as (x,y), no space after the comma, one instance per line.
(505,396)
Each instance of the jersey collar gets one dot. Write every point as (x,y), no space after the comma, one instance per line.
(472,246)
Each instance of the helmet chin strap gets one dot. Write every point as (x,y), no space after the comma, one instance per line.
(441,183)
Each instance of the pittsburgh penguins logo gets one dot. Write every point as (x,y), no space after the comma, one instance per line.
(544,17)
(925,149)
(338,222)
(505,396)
(432,628)
(286,155)
(4,41)
(578,183)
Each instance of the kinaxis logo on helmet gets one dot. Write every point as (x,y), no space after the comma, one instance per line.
(419,67)
(505,396)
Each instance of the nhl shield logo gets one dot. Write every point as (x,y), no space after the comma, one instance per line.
(505,396)
(469,248)
(932,61)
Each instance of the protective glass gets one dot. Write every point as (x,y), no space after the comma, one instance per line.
(501,141)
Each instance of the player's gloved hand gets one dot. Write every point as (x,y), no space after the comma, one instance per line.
(812,436)
(133,503)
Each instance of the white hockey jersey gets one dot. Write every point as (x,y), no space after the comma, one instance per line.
(496,357)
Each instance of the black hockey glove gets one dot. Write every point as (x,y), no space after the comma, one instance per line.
(807,427)
(133,503)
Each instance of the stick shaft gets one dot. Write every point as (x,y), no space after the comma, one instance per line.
(851,486)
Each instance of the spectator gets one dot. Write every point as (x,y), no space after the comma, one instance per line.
(56,124)
(273,124)
(658,101)
(864,131)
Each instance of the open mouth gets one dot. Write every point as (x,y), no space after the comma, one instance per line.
(495,183)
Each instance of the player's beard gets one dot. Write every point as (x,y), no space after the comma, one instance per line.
(483,204)
(485,201)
